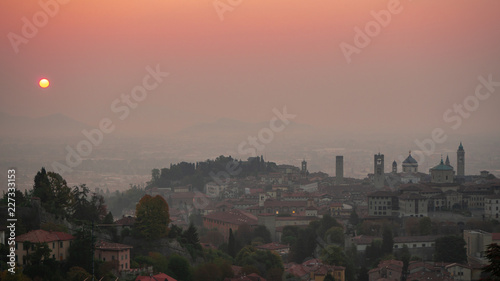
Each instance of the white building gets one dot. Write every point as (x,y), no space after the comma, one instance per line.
(492,206)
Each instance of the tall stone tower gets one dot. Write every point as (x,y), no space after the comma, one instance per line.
(395,167)
(460,161)
(378,171)
(339,169)
(304,167)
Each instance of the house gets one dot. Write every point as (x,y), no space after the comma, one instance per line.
(124,222)
(58,243)
(382,204)
(230,219)
(249,277)
(114,252)
(460,272)
(315,270)
(412,205)
(492,206)
(476,244)
(280,249)
(387,270)
(158,277)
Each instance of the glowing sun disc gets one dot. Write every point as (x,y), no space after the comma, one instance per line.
(44,83)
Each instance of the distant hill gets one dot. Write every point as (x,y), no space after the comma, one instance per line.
(55,125)
(232,127)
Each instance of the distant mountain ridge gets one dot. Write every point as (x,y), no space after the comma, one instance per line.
(54,125)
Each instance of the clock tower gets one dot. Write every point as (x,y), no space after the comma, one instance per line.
(460,161)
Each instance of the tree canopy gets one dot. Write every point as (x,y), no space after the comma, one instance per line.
(153,217)
(450,249)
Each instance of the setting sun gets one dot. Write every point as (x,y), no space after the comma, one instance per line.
(44,83)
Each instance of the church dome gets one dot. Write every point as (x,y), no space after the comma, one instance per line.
(410,160)
(442,167)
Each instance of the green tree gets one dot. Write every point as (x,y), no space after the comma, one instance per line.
(450,249)
(354,218)
(207,272)
(304,246)
(191,235)
(335,235)
(53,191)
(333,255)
(387,241)
(108,219)
(373,253)
(425,226)
(180,268)
(152,217)
(405,257)
(262,260)
(77,273)
(80,250)
(231,245)
(262,232)
(492,270)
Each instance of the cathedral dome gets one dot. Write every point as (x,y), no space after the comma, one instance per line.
(410,160)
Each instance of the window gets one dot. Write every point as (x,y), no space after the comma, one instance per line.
(396,246)
(53,245)
(112,258)
(423,244)
(414,245)
(61,244)
(126,265)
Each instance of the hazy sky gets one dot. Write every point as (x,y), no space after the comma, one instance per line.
(263,54)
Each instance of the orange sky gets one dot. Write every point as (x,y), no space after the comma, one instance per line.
(264,54)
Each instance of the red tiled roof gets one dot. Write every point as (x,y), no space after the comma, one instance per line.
(126,221)
(277,203)
(157,277)
(103,245)
(42,236)
(272,246)
(233,216)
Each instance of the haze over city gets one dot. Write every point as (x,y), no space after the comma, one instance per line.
(233,140)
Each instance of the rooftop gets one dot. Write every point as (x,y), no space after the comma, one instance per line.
(42,236)
(103,245)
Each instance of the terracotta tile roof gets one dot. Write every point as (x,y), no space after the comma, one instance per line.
(272,246)
(103,245)
(129,221)
(42,236)
(382,193)
(275,203)
(233,216)
(182,195)
(157,277)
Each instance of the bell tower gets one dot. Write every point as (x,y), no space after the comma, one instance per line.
(378,171)
(460,161)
